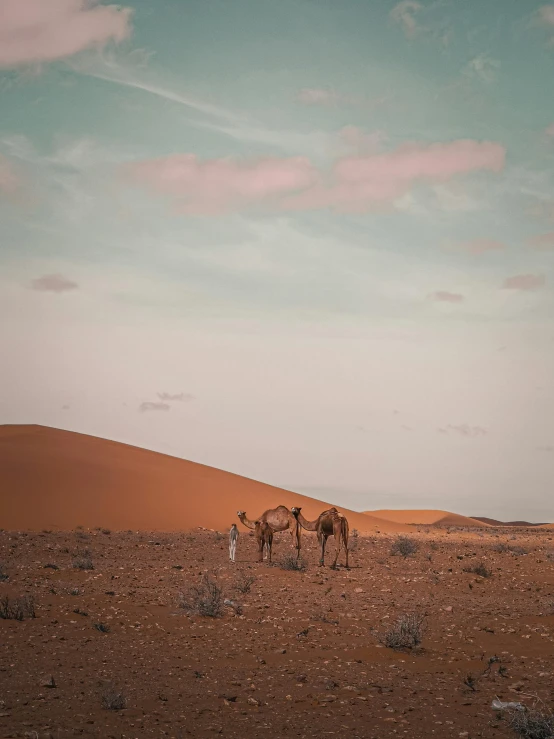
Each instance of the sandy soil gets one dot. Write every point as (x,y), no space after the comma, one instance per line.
(303,659)
(59,480)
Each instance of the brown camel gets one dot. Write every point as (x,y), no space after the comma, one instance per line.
(264,537)
(329,523)
(279,519)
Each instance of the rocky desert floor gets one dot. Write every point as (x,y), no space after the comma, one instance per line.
(111,652)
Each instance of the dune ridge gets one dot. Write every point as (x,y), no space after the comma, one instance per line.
(427,517)
(55,479)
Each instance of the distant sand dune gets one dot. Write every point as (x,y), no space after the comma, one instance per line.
(53,479)
(427,517)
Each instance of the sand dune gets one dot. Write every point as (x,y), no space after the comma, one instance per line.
(53,479)
(427,517)
(494,522)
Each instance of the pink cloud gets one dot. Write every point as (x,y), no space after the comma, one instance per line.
(443,296)
(542,242)
(220,185)
(546,15)
(53,284)
(361,183)
(34,31)
(524,282)
(480,246)
(357,184)
(9,180)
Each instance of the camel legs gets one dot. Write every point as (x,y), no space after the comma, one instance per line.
(232,550)
(269,545)
(322,543)
(345,533)
(295,534)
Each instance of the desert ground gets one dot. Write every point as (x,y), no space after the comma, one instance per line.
(111,638)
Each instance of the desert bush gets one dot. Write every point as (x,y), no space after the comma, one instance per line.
(532,724)
(102,627)
(205,599)
(244,582)
(292,563)
(83,561)
(17,609)
(503,547)
(51,566)
(406,633)
(405,546)
(107,532)
(113,699)
(3,574)
(480,569)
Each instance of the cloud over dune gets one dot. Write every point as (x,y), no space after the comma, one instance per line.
(53,284)
(542,242)
(356,184)
(34,31)
(524,282)
(443,296)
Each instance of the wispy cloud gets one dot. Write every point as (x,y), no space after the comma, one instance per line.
(55,283)
(153,406)
(480,246)
(524,282)
(549,130)
(483,67)
(546,448)
(132,72)
(542,242)
(463,429)
(405,15)
(179,397)
(34,31)
(443,296)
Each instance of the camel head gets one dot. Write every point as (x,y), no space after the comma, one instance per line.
(241,514)
(295,511)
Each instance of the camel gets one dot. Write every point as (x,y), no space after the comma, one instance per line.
(279,519)
(233,539)
(264,537)
(329,523)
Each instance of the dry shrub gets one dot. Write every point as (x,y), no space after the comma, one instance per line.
(17,609)
(532,724)
(205,599)
(113,699)
(481,569)
(83,561)
(244,582)
(292,563)
(406,633)
(405,546)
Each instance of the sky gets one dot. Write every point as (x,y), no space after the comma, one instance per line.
(308,242)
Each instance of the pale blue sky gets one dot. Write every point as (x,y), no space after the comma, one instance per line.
(352,278)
